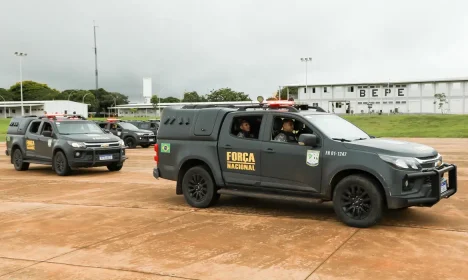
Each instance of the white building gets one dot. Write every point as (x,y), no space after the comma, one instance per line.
(400,96)
(11,109)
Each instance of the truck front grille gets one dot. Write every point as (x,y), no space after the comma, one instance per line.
(102,145)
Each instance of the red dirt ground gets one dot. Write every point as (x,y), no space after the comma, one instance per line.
(127,225)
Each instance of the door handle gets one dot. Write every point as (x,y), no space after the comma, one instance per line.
(269,150)
(227,146)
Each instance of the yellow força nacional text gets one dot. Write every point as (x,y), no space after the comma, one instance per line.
(240,161)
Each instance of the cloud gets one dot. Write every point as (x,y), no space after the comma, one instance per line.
(250,46)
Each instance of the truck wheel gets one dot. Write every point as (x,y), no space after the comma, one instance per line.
(357,202)
(145,146)
(199,188)
(60,164)
(130,142)
(115,166)
(18,160)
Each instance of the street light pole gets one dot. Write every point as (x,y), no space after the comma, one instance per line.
(306,59)
(21,79)
(85,96)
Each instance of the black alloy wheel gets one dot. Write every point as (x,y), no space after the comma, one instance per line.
(60,164)
(356,202)
(18,160)
(198,187)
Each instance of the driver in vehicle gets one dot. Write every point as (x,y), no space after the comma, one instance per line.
(245,130)
(286,135)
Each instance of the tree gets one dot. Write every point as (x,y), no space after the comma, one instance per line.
(193,96)
(33,91)
(227,94)
(441,99)
(105,99)
(7,95)
(170,99)
(154,101)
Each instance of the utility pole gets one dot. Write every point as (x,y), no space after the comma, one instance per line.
(95,55)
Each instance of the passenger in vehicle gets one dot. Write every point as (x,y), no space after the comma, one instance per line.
(286,135)
(245,130)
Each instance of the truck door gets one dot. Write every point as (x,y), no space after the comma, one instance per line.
(31,139)
(44,144)
(240,155)
(288,165)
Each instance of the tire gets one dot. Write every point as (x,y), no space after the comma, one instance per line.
(198,188)
(365,194)
(18,160)
(145,146)
(60,164)
(130,142)
(116,166)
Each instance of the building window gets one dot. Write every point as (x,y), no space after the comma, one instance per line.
(313,90)
(351,89)
(13,111)
(403,102)
(325,89)
(315,104)
(305,90)
(359,103)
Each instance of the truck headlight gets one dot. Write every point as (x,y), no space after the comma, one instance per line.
(401,162)
(121,143)
(76,144)
(140,134)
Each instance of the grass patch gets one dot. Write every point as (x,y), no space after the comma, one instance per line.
(443,126)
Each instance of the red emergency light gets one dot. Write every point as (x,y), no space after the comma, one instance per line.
(113,120)
(278,103)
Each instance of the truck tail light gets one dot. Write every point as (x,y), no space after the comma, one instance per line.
(156,157)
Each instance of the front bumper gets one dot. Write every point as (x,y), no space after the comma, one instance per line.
(147,140)
(92,157)
(430,193)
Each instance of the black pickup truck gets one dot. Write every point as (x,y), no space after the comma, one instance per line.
(294,153)
(131,135)
(66,142)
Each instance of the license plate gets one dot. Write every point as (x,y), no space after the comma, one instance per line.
(105,157)
(443,185)
(151,139)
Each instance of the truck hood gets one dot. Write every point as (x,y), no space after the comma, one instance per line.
(92,138)
(392,147)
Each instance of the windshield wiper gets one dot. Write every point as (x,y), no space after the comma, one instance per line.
(360,139)
(342,139)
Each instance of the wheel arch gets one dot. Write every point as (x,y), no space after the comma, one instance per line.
(340,175)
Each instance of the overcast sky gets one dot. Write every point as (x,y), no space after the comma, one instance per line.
(252,46)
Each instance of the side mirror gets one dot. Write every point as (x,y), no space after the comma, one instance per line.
(310,140)
(47,133)
(106,130)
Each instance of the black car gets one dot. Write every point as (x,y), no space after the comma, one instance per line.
(131,135)
(298,153)
(66,142)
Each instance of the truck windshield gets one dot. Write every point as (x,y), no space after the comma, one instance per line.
(77,127)
(337,128)
(128,126)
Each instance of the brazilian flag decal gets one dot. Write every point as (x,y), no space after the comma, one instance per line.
(165,148)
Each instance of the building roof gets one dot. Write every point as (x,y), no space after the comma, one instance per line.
(33,103)
(461,79)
